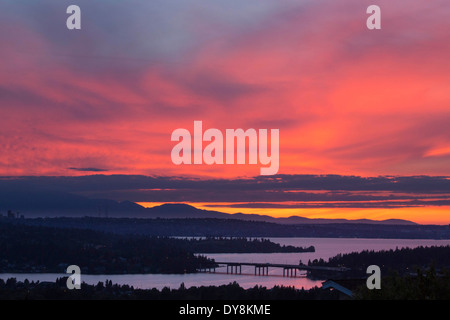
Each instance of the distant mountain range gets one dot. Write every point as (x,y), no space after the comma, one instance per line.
(51,203)
(187,211)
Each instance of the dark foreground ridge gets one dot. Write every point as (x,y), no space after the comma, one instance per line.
(426,285)
(11,289)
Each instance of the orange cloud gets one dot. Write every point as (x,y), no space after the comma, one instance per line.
(346,100)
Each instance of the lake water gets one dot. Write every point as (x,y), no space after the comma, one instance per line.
(325,248)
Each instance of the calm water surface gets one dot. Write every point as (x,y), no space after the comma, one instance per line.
(325,248)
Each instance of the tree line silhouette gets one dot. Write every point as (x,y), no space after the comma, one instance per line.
(26,248)
(15,290)
(424,285)
(43,249)
(240,245)
(403,261)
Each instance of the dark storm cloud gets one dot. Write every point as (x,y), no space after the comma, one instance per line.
(88,169)
(314,191)
(221,89)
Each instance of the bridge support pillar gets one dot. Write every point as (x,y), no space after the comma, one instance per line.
(289,272)
(233,269)
(262,270)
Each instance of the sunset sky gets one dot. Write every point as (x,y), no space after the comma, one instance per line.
(348,101)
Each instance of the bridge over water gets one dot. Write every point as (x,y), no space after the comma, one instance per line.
(262,269)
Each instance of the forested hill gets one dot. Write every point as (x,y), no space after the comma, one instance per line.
(45,249)
(401,260)
(26,248)
(239,228)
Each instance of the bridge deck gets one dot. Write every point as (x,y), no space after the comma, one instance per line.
(285,266)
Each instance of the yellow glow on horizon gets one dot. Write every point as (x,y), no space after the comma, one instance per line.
(422,215)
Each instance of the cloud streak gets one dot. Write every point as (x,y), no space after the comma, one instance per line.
(88,169)
(286,191)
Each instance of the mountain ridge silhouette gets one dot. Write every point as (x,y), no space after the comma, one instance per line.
(51,203)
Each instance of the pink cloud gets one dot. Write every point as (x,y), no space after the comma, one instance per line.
(346,100)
